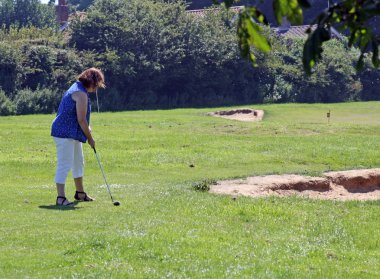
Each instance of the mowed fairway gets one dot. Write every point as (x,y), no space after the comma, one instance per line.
(164,228)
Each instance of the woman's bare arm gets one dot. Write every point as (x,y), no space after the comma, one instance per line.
(81,101)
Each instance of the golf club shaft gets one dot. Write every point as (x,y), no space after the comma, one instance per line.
(97,101)
(101,168)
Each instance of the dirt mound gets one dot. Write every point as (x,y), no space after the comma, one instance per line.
(243,114)
(342,185)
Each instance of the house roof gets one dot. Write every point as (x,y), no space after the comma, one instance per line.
(299,31)
(285,30)
(203,12)
(293,31)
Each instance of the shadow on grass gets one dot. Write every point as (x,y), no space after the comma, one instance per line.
(60,207)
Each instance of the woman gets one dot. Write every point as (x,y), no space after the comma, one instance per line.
(70,128)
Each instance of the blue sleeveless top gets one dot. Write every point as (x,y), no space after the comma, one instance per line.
(66,125)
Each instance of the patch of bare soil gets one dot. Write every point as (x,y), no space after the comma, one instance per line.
(341,185)
(243,114)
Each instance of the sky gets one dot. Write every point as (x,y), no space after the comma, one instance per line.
(44,1)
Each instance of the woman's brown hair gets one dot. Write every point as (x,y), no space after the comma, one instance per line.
(92,77)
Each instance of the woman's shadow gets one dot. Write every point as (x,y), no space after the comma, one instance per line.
(61,207)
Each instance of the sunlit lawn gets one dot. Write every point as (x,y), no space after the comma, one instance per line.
(164,228)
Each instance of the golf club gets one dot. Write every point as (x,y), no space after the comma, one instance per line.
(116,203)
(97,100)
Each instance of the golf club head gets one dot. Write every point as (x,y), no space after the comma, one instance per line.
(116,203)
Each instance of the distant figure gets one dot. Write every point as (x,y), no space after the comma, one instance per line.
(70,128)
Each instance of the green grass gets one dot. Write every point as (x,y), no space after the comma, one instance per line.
(164,228)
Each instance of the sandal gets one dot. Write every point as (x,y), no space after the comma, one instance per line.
(85,198)
(64,202)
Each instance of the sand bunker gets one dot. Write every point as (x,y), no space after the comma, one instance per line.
(243,114)
(342,185)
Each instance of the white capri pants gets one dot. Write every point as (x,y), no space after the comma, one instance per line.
(69,157)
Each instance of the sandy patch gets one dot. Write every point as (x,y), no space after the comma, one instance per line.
(243,114)
(342,185)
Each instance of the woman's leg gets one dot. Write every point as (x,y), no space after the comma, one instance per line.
(65,155)
(78,172)
(61,190)
(79,184)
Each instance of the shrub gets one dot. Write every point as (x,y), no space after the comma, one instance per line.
(38,69)
(39,101)
(6,105)
(370,79)
(10,68)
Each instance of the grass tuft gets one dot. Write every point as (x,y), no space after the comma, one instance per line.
(204,185)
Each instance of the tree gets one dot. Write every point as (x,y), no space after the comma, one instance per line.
(155,55)
(80,5)
(353,17)
(6,12)
(22,13)
(9,68)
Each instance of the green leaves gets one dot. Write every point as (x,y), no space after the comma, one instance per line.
(362,38)
(312,51)
(250,33)
(227,3)
(353,18)
(365,40)
(350,16)
(291,9)
(26,13)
